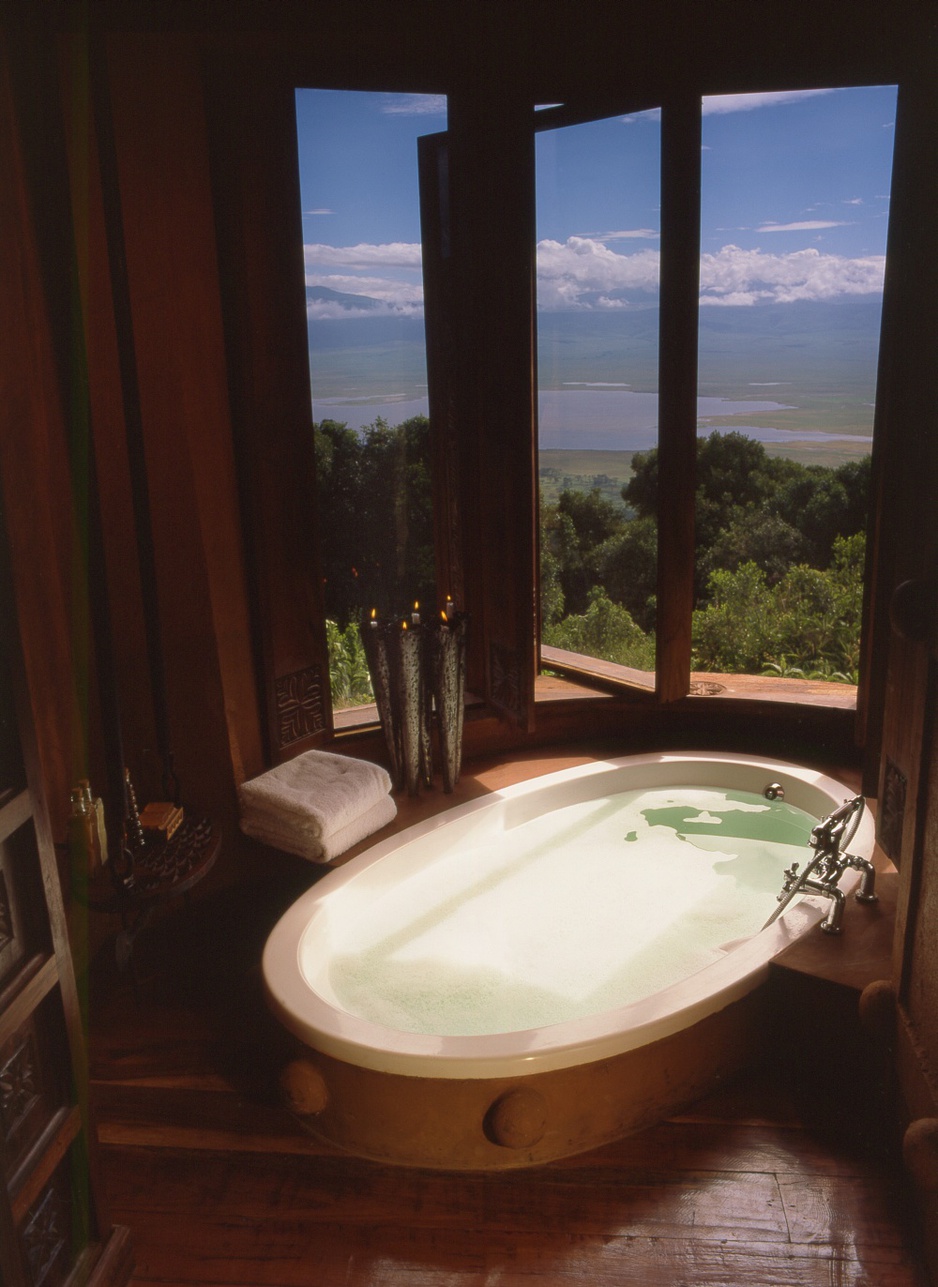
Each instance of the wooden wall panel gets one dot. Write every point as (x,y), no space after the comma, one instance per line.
(35,476)
(95,334)
(905,544)
(157,105)
(905,527)
(260,234)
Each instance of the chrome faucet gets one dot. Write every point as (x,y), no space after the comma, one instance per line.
(829,840)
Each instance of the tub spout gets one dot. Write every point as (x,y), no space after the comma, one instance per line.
(829,840)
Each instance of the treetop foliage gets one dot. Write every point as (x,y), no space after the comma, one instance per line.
(769,544)
(778,559)
(375,511)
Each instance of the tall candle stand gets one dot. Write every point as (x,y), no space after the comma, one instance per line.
(418,674)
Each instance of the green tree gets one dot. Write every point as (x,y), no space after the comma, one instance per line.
(551,590)
(824,504)
(754,536)
(349,679)
(750,506)
(604,630)
(375,516)
(807,624)
(730,633)
(627,565)
(572,531)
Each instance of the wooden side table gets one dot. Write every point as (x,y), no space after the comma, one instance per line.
(163,871)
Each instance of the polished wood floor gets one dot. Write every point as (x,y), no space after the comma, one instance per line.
(220,1186)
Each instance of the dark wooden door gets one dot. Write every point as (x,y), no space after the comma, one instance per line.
(53,1226)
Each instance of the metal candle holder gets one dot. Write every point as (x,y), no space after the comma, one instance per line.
(447,654)
(418,675)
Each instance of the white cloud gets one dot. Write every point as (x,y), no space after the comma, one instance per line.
(386,289)
(652,114)
(742,277)
(393,298)
(853,201)
(581,272)
(584,273)
(647,234)
(388,274)
(395,254)
(321,211)
(414,105)
(719,104)
(804,225)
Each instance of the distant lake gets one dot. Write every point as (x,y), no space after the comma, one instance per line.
(586,419)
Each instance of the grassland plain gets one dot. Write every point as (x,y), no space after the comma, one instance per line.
(816,359)
(560,470)
(609,471)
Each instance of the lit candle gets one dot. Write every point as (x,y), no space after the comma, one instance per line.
(415,615)
(373,622)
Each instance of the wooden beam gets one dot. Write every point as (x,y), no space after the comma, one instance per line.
(677,391)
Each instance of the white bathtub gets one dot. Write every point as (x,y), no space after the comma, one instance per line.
(303,956)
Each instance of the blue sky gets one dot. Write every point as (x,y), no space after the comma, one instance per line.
(358,179)
(794,200)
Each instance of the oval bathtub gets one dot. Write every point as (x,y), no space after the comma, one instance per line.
(538,971)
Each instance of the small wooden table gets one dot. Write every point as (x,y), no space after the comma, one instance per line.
(162,871)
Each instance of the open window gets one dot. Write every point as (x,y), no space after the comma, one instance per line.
(752,491)
(794,211)
(598,237)
(481,183)
(368,366)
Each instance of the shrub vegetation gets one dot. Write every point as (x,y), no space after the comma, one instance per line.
(778,571)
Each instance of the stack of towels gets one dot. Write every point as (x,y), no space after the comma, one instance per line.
(317,805)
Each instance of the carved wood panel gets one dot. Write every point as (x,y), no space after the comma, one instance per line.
(7,933)
(301,705)
(46,1233)
(31,1085)
(20,932)
(890,819)
(921,981)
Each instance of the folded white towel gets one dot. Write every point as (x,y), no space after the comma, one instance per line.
(325,848)
(314,798)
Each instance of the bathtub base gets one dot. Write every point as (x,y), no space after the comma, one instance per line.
(492,1124)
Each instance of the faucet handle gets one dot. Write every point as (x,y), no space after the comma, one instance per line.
(791,878)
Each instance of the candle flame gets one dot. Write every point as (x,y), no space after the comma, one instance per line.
(374,613)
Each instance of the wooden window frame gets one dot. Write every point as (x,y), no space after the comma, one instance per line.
(479,233)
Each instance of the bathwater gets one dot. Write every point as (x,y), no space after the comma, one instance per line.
(578,911)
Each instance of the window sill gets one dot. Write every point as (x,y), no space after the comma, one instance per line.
(591,680)
(590,674)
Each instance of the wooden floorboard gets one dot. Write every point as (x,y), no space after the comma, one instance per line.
(221,1187)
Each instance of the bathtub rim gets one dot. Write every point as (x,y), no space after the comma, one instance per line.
(319,1023)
